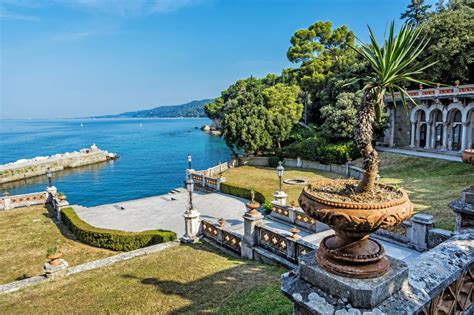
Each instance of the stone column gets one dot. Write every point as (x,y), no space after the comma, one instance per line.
(191,226)
(7,203)
(428,135)
(445,136)
(420,225)
(465,129)
(413,131)
(250,239)
(392,128)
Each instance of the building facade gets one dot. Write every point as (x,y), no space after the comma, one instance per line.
(442,119)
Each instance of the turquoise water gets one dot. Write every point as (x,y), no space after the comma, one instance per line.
(152,155)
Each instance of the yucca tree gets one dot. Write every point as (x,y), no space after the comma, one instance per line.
(392,65)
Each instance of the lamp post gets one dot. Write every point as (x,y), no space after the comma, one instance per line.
(280,195)
(190,189)
(50,175)
(190,160)
(280,170)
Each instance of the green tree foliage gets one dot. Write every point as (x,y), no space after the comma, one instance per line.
(339,118)
(451,44)
(318,49)
(416,12)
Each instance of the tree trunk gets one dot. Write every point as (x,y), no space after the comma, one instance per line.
(363,130)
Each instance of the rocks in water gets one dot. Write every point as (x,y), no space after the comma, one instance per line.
(212,130)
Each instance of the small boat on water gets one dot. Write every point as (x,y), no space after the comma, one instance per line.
(82,125)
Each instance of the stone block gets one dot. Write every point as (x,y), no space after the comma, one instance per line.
(363,293)
(52,272)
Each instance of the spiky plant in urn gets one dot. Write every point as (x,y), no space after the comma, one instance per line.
(355,209)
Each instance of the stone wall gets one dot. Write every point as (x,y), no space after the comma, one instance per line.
(25,200)
(402,126)
(30,168)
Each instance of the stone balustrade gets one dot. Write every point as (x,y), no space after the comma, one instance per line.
(448,91)
(284,245)
(25,200)
(222,236)
(296,216)
(203,181)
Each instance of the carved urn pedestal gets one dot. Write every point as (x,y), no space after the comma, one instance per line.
(350,252)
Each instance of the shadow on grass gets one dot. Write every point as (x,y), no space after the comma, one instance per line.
(220,290)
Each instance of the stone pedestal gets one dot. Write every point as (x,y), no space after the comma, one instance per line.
(280,197)
(52,272)
(191,221)
(250,234)
(313,290)
(52,190)
(420,225)
(464,210)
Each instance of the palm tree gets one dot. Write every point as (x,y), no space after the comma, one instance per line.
(392,65)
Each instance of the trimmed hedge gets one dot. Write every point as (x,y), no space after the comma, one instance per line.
(318,149)
(241,192)
(112,239)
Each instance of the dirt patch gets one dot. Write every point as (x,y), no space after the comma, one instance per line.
(345,192)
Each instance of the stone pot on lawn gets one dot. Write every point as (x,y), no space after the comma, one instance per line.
(468,156)
(54,258)
(62,197)
(350,252)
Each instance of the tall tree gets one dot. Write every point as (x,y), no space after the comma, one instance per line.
(317,49)
(416,12)
(392,64)
(452,43)
(339,117)
(284,109)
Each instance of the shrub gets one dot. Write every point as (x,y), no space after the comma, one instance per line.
(241,192)
(267,207)
(273,161)
(318,149)
(113,239)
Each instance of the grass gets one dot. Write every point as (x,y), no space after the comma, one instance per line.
(26,233)
(430,183)
(183,279)
(265,180)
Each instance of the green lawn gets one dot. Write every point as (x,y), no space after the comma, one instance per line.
(265,180)
(431,183)
(183,279)
(25,236)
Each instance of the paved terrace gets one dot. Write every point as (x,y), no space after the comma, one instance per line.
(166,212)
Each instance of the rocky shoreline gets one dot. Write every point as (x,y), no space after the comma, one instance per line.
(212,130)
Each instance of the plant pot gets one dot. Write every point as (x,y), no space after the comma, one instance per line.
(54,259)
(221,223)
(468,156)
(62,197)
(350,252)
(252,207)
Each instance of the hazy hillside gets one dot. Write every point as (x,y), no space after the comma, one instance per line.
(191,109)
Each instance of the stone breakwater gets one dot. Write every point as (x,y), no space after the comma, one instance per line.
(37,166)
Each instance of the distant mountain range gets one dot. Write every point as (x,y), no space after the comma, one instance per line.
(191,109)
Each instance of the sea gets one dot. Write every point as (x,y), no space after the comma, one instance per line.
(153,155)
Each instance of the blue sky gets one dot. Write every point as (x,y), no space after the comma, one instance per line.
(72,58)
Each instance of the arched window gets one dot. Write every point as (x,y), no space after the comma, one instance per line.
(457,131)
(438,129)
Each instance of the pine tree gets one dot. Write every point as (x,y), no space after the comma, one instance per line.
(417,12)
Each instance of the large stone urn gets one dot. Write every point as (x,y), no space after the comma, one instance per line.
(468,156)
(350,252)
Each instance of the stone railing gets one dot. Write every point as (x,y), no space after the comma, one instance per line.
(296,216)
(214,171)
(202,181)
(284,245)
(221,236)
(347,170)
(25,200)
(448,91)
(417,233)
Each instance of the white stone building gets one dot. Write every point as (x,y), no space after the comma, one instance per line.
(442,120)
